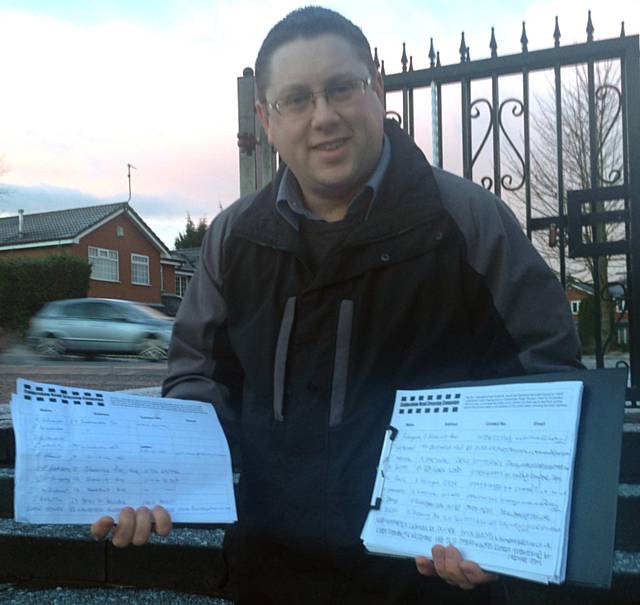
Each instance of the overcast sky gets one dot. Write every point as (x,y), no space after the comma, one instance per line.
(88,86)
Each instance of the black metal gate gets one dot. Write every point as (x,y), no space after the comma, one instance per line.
(595,87)
(583,145)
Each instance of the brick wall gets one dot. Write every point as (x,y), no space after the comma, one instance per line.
(131,241)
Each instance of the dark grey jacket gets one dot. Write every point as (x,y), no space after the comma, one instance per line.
(439,284)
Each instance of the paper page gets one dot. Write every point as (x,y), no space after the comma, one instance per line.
(487,469)
(81,454)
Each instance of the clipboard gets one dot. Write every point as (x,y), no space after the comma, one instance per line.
(597,467)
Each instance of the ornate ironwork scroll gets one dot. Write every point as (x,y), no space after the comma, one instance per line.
(516,111)
(474,112)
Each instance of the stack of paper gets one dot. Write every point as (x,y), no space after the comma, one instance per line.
(487,469)
(81,454)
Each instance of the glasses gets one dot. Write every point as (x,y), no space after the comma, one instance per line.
(337,95)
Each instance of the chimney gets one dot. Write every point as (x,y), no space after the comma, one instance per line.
(20,223)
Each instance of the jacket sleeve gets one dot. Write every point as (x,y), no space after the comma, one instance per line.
(202,364)
(525,292)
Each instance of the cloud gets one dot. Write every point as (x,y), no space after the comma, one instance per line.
(85,96)
(165,215)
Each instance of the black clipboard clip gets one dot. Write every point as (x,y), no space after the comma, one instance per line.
(378,487)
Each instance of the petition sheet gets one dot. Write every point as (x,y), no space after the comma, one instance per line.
(81,454)
(487,469)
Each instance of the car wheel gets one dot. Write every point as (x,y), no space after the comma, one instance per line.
(49,346)
(151,349)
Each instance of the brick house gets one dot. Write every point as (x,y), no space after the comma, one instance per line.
(578,291)
(128,259)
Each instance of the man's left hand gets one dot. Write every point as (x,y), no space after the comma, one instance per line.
(452,568)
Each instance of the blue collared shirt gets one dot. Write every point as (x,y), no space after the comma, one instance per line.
(290,203)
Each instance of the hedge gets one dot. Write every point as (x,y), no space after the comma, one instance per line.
(26,284)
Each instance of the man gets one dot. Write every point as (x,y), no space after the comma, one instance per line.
(360,270)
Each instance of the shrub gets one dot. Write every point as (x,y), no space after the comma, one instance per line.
(586,324)
(26,284)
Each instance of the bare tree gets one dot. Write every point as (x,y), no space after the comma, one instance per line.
(576,156)
(577,166)
(3,170)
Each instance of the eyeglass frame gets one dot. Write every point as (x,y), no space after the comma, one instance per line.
(364,82)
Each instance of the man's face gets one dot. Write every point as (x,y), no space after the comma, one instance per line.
(332,150)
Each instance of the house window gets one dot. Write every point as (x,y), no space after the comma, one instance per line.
(182,281)
(623,336)
(575,306)
(104,264)
(140,269)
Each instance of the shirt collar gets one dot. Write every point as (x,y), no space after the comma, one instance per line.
(289,201)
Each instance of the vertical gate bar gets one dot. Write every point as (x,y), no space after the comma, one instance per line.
(435,127)
(495,118)
(405,109)
(625,179)
(632,95)
(411,125)
(560,160)
(527,150)
(466,128)
(440,134)
(247,126)
(593,169)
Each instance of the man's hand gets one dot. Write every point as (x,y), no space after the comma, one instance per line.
(450,566)
(134,526)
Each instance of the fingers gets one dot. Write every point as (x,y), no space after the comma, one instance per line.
(425,566)
(142,529)
(475,574)
(450,566)
(162,520)
(102,527)
(134,526)
(123,532)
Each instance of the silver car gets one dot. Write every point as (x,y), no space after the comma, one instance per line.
(92,326)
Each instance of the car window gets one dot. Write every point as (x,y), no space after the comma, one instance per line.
(102,310)
(51,310)
(92,310)
(76,310)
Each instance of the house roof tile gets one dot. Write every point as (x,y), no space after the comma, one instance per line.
(56,225)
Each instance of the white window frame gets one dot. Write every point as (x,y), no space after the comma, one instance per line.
(182,279)
(140,274)
(575,306)
(103,262)
(623,335)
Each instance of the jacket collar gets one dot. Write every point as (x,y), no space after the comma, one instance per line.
(407,193)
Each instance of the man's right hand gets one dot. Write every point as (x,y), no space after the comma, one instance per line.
(134,526)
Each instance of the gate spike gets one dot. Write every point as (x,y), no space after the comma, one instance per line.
(404,57)
(462,49)
(556,34)
(492,45)
(524,40)
(467,57)
(622,34)
(382,68)
(432,54)
(589,29)
(375,58)
(410,62)
(438,64)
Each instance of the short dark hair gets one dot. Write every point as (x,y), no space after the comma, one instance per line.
(308,22)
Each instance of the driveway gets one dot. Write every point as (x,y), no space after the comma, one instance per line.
(104,373)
